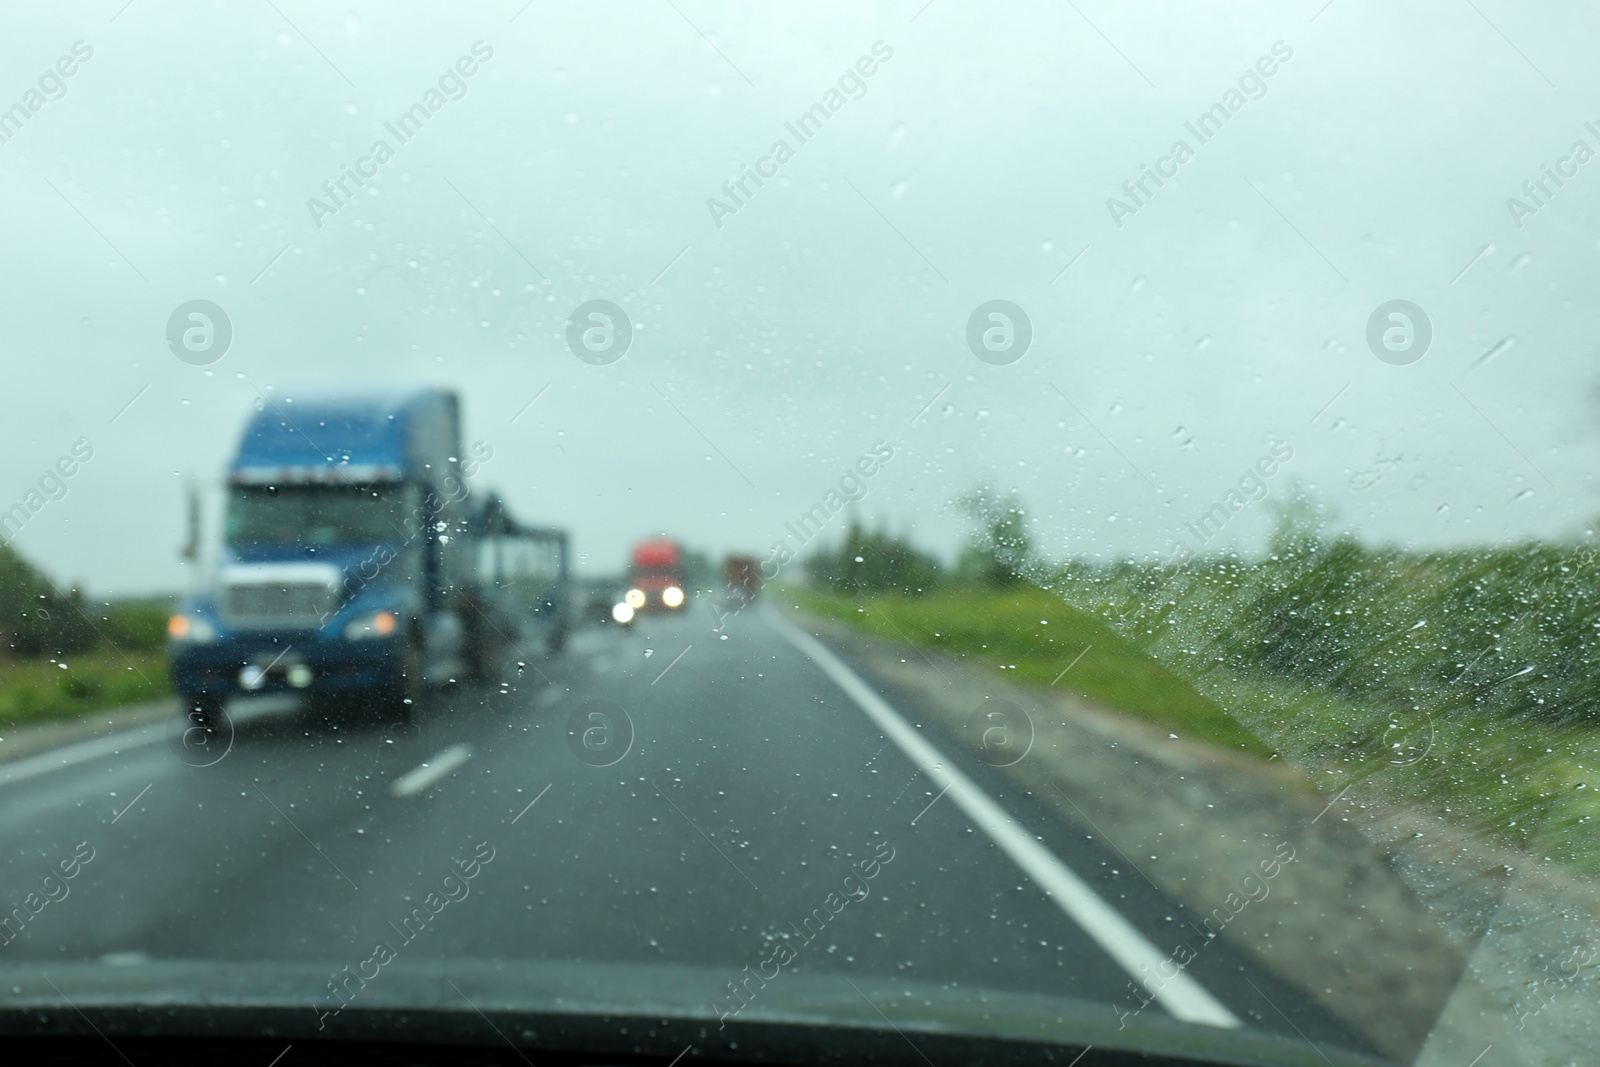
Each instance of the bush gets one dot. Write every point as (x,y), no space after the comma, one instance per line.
(78,688)
(999,552)
(35,618)
(1511,630)
(135,624)
(869,562)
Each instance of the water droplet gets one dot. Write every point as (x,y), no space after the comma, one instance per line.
(1518,263)
(1505,344)
(1203,344)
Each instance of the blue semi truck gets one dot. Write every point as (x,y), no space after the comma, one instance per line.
(358,564)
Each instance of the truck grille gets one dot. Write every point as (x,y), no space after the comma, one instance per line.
(262,601)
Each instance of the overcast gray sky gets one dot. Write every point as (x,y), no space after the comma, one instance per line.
(829,311)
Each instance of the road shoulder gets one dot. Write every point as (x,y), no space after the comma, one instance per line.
(29,739)
(1336,923)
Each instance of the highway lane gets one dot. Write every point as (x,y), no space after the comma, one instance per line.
(751,783)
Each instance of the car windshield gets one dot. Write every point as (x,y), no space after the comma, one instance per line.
(319,515)
(915,531)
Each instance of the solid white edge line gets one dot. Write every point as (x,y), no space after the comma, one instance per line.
(26,767)
(113,744)
(1181,995)
(417,779)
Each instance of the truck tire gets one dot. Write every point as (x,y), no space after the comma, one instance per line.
(483,651)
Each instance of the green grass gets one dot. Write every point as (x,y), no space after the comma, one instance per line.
(40,690)
(1032,636)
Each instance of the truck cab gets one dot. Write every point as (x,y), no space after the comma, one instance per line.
(346,562)
(656,580)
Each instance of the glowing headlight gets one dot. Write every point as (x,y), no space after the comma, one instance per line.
(190,628)
(672,596)
(634,598)
(379,624)
(622,612)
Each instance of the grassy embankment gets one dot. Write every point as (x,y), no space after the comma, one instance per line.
(1036,638)
(124,665)
(1510,778)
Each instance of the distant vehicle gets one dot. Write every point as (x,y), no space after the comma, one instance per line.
(525,577)
(743,576)
(601,600)
(352,565)
(656,580)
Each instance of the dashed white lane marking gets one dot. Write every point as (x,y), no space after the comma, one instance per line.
(417,779)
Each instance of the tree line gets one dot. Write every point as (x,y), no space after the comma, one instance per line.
(1510,629)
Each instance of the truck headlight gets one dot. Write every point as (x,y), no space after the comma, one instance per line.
(634,598)
(622,612)
(672,596)
(367,627)
(191,629)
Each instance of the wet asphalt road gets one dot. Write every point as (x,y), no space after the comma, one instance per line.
(727,788)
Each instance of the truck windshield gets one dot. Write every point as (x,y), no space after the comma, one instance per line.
(320,514)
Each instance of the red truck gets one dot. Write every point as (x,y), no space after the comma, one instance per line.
(656,581)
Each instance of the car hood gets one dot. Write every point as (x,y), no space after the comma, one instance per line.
(609,1008)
